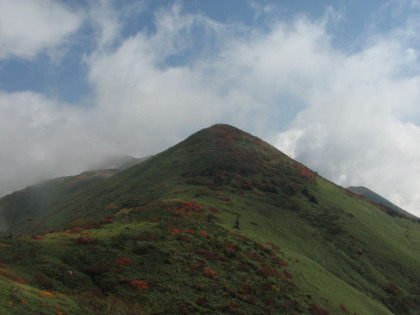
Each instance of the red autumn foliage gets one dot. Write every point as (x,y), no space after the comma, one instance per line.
(288,274)
(317,310)
(231,308)
(243,267)
(201,301)
(209,273)
(43,282)
(344,308)
(352,194)
(214,210)
(249,299)
(265,269)
(139,285)
(10,276)
(268,301)
(34,237)
(230,248)
(85,240)
(182,208)
(245,289)
(183,238)
(265,250)
(176,231)
(354,237)
(75,231)
(305,172)
(266,286)
(278,261)
(124,261)
(392,288)
(273,245)
(254,255)
(210,255)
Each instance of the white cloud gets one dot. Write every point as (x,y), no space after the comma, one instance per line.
(146,100)
(29,27)
(357,111)
(106,21)
(143,103)
(356,129)
(42,139)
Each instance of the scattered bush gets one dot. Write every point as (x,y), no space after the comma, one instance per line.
(209,273)
(99,268)
(139,285)
(343,308)
(85,240)
(124,261)
(317,310)
(43,282)
(392,288)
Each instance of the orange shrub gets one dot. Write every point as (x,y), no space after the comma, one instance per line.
(139,285)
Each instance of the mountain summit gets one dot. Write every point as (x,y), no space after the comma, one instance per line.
(220,223)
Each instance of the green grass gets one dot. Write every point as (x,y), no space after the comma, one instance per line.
(258,210)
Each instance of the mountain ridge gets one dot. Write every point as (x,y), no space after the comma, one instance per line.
(371,195)
(236,225)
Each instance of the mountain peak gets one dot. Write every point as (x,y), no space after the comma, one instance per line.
(237,225)
(222,131)
(223,150)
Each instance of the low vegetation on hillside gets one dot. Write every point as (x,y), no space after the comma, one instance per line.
(220,223)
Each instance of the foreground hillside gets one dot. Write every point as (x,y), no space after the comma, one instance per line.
(220,223)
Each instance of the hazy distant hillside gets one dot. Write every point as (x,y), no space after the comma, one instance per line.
(120,162)
(221,223)
(24,206)
(369,194)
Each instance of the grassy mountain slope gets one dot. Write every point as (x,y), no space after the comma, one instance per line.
(220,223)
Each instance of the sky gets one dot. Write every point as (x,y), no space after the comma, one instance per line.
(333,84)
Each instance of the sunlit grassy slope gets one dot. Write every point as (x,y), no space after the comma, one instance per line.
(220,223)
